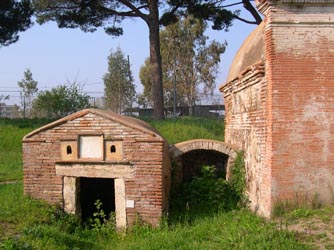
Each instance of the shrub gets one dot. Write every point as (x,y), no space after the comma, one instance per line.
(204,194)
(238,178)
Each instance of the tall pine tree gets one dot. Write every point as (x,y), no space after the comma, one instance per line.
(119,89)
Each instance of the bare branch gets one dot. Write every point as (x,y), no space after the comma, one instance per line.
(248,6)
(135,10)
(118,13)
(244,20)
(230,5)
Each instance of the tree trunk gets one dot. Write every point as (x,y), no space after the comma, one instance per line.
(155,59)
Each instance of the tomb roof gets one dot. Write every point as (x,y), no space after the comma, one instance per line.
(109,115)
(250,53)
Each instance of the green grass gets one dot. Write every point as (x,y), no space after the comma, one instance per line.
(231,230)
(187,128)
(11,153)
(29,224)
(11,134)
(18,212)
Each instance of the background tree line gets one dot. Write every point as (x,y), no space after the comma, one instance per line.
(89,15)
(189,64)
(52,104)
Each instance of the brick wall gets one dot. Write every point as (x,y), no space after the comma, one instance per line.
(300,61)
(284,118)
(144,151)
(245,105)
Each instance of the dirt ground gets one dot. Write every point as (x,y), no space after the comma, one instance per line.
(314,227)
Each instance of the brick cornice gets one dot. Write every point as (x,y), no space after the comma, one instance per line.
(264,2)
(264,5)
(250,76)
(305,1)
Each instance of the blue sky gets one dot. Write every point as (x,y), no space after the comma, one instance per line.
(57,56)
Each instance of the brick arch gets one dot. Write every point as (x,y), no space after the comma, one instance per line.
(177,150)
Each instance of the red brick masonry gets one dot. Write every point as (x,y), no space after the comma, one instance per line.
(144,160)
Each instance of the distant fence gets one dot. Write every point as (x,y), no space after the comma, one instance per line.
(217,111)
(205,107)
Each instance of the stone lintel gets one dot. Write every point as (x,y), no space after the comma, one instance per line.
(95,170)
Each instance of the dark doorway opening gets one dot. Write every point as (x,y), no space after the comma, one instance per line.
(93,189)
(193,161)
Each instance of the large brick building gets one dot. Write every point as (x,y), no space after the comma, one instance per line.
(279,100)
(94,154)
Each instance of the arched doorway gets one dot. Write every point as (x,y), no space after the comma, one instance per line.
(190,156)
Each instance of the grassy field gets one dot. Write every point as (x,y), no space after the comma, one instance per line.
(186,128)
(29,224)
(11,133)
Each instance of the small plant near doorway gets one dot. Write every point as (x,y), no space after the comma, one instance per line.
(99,217)
(99,222)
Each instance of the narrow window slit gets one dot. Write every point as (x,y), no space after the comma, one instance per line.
(113,149)
(69,150)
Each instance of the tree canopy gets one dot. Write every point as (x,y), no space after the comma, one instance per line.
(88,15)
(215,11)
(15,17)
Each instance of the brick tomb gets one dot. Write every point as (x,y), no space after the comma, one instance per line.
(95,154)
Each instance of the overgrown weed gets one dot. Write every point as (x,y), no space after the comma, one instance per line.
(301,204)
(203,196)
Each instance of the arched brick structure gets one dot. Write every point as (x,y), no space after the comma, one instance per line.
(279,100)
(179,149)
